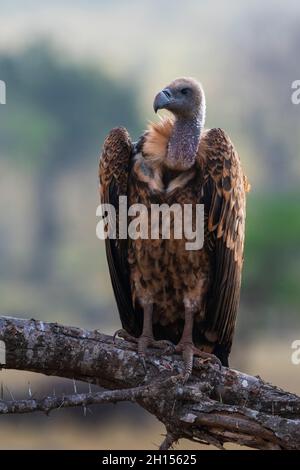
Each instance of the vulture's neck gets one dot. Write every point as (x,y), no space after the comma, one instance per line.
(184,142)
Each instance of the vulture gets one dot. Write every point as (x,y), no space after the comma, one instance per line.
(168,295)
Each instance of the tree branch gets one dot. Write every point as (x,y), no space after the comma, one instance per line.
(50,403)
(214,407)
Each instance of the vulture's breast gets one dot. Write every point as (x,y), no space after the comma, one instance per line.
(163,271)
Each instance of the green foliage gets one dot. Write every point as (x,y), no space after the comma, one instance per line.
(58,112)
(272,259)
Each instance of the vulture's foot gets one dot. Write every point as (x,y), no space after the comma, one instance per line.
(144,342)
(189,351)
(124,335)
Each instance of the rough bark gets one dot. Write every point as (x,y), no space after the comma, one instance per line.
(214,407)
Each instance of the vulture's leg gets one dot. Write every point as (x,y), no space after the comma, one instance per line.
(187,347)
(146,339)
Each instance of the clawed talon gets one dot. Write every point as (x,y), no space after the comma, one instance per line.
(144,342)
(124,335)
(212,359)
(166,346)
(143,362)
(188,352)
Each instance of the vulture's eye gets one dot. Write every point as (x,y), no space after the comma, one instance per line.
(185,91)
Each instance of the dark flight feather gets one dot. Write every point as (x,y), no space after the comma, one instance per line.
(224,194)
(113,174)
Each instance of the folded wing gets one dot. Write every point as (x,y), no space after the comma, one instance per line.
(224,198)
(114,171)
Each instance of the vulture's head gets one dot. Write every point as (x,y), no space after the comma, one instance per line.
(184,97)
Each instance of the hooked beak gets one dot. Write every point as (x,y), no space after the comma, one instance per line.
(162,100)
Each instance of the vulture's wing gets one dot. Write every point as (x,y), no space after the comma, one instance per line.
(224,199)
(114,170)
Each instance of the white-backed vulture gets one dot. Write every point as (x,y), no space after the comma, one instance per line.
(164,292)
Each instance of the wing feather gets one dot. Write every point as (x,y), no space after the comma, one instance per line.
(224,199)
(114,169)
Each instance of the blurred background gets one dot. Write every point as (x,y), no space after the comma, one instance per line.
(74,70)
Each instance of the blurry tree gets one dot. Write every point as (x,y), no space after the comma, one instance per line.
(267,52)
(57,114)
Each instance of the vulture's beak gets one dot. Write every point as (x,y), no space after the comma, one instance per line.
(162,99)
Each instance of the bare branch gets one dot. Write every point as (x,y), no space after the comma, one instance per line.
(168,441)
(47,404)
(214,407)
